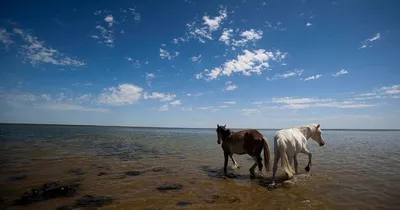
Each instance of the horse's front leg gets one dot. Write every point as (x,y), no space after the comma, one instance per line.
(305,151)
(235,165)
(296,163)
(226,155)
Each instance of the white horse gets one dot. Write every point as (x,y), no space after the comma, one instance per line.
(292,141)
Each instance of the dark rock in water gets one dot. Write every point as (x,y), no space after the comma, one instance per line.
(170,187)
(66,207)
(47,191)
(183,203)
(77,171)
(101,174)
(133,173)
(18,177)
(93,201)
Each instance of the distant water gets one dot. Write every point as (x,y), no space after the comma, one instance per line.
(354,170)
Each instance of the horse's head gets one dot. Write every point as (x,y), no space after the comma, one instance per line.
(317,135)
(222,133)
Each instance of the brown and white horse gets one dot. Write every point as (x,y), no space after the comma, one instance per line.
(249,141)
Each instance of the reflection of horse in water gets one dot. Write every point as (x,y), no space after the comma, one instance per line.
(249,142)
(292,141)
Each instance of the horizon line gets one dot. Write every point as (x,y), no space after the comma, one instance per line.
(178,127)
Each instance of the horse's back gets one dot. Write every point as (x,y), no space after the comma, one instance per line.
(290,137)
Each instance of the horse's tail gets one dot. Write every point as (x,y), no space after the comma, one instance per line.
(267,155)
(284,158)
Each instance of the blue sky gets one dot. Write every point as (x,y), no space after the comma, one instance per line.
(191,63)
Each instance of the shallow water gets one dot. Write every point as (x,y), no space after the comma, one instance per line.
(354,170)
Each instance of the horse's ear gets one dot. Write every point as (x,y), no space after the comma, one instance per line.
(225,126)
(217,125)
(318,126)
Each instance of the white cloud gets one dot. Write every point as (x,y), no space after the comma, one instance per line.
(288,74)
(176,102)
(229,102)
(226,35)
(367,42)
(341,72)
(247,63)
(210,25)
(250,35)
(35,51)
(229,86)
(5,38)
(109,19)
(161,96)
(309,24)
(128,58)
(164,54)
(122,95)
(196,58)
(313,77)
(214,23)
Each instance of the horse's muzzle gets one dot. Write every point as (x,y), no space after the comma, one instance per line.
(322,144)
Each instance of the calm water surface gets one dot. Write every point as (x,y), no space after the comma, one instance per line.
(354,170)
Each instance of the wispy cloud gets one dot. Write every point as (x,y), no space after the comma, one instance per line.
(166,55)
(305,103)
(36,51)
(288,74)
(163,107)
(313,77)
(60,106)
(309,24)
(176,103)
(368,42)
(250,62)
(161,96)
(5,38)
(248,112)
(341,72)
(229,86)
(149,78)
(229,102)
(196,58)
(276,26)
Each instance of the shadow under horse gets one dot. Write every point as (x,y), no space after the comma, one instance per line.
(248,141)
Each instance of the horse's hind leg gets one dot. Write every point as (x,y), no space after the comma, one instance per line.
(252,168)
(275,167)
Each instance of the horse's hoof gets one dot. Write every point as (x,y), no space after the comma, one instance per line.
(272,185)
(307,168)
